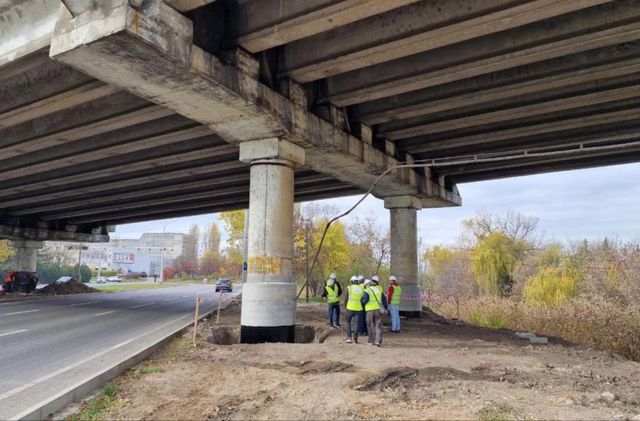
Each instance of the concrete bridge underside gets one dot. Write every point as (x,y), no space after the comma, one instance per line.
(120,111)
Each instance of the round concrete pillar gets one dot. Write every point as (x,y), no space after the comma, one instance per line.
(27,255)
(269,294)
(404,251)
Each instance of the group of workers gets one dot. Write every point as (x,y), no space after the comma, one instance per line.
(366,304)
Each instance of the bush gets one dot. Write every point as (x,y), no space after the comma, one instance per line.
(604,325)
(550,287)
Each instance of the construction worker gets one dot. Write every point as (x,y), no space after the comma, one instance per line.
(394,295)
(353,304)
(375,306)
(362,323)
(332,292)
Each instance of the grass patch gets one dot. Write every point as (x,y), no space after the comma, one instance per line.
(97,408)
(496,411)
(316,300)
(492,321)
(147,368)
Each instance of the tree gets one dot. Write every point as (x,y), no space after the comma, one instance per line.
(210,263)
(213,238)
(493,260)
(188,261)
(5,250)
(233,223)
(515,226)
(448,271)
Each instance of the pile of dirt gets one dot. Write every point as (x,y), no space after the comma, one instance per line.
(71,287)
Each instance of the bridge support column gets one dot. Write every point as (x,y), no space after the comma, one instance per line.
(404,251)
(27,255)
(269,295)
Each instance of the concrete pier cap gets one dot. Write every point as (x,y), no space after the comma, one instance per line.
(403,212)
(269,295)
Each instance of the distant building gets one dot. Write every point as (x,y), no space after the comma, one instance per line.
(127,255)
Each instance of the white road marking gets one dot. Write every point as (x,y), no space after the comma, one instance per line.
(14,332)
(105,312)
(144,305)
(10,302)
(18,312)
(82,304)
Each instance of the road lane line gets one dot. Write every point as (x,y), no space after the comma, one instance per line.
(104,312)
(14,332)
(82,304)
(144,305)
(19,312)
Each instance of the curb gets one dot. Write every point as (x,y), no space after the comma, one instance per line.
(75,393)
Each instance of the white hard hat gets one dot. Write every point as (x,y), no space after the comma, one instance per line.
(367,281)
(332,276)
(375,278)
(354,278)
(393,278)
(330,281)
(360,277)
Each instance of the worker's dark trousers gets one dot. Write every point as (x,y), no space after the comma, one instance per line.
(333,311)
(352,331)
(362,324)
(374,326)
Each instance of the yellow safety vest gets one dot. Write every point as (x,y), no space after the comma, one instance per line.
(354,302)
(375,298)
(397,294)
(332,294)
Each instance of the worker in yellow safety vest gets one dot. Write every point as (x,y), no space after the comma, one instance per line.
(394,294)
(353,304)
(375,306)
(332,293)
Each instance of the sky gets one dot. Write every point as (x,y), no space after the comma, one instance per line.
(571,205)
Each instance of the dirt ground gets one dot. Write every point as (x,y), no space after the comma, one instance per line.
(432,370)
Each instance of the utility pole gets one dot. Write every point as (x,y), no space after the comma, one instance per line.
(306,250)
(245,246)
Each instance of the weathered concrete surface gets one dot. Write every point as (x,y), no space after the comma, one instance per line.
(403,211)
(269,295)
(134,49)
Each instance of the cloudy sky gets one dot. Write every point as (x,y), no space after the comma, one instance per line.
(571,205)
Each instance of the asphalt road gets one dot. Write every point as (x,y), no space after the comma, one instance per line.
(51,343)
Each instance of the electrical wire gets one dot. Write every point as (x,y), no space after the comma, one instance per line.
(470,159)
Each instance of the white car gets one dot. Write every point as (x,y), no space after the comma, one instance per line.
(114,279)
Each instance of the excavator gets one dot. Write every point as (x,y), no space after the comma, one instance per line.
(24,282)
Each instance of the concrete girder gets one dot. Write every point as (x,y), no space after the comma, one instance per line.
(187,5)
(495,88)
(73,97)
(504,115)
(135,166)
(143,200)
(214,207)
(419,27)
(78,201)
(108,188)
(136,50)
(523,162)
(183,205)
(123,149)
(592,135)
(264,24)
(423,145)
(593,28)
(566,164)
(44,234)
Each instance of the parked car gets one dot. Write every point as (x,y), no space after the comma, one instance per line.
(143,274)
(114,279)
(102,280)
(224,284)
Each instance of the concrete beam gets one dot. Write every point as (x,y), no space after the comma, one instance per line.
(403,130)
(263,24)
(422,145)
(187,5)
(592,28)
(419,27)
(136,50)
(132,181)
(42,234)
(499,87)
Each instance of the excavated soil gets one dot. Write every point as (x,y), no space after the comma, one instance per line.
(71,287)
(434,369)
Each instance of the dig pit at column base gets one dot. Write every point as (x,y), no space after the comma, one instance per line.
(257,335)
